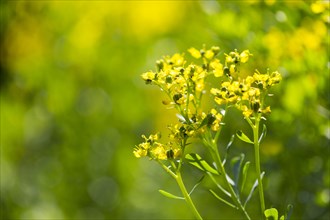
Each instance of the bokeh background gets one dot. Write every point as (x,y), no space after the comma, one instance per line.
(73,105)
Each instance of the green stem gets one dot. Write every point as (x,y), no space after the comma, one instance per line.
(233,195)
(177,176)
(255,129)
(187,196)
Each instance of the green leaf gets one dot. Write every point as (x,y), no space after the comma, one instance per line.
(255,185)
(263,133)
(271,214)
(243,137)
(169,195)
(288,212)
(197,161)
(218,185)
(282,217)
(199,182)
(227,148)
(236,164)
(244,174)
(221,199)
(230,142)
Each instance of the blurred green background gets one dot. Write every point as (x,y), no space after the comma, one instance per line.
(73,104)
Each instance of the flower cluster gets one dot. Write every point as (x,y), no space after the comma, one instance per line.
(179,134)
(233,60)
(156,150)
(184,84)
(247,94)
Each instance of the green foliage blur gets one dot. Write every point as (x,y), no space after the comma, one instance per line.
(73,104)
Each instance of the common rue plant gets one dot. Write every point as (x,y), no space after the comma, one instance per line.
(184,84)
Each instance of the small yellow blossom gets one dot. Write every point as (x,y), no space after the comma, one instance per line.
(159,152)
(215,50)
(200,85)
(148,76)
(275,78)
(177,60)
(319,6)
(249,80)
(195,53)
(244,56)
(209,54)
(229,59)
(246,111)
(141,150)
(266,110)
(217,68)
(215,126)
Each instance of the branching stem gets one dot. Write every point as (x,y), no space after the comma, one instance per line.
(255,128)
(178,178)
(221,168)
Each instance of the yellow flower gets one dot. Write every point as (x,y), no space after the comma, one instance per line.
(148,76)
(215,50)
(233,57)
(159,152)
(141,150)
(319,6)
(254,92)
(138,152)
(275,78)
(177,60)
(217,68)
(249,80)
(200,85)
(246,111)
(195,53)
(229,59)
(244,56)
(215,91)
(266,110)
(215,126)
(209,54)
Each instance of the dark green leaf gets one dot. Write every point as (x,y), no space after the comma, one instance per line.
(244,174)
(263,133)
(197,161)
(271,214)
(243,137)
(169,195)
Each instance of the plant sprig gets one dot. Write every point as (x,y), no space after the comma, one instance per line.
(184,84)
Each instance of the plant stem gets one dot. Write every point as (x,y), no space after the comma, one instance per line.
(255,129)
(187,196)
(233,195)
(177,176)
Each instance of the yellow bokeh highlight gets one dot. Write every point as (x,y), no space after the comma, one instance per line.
(148,18)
